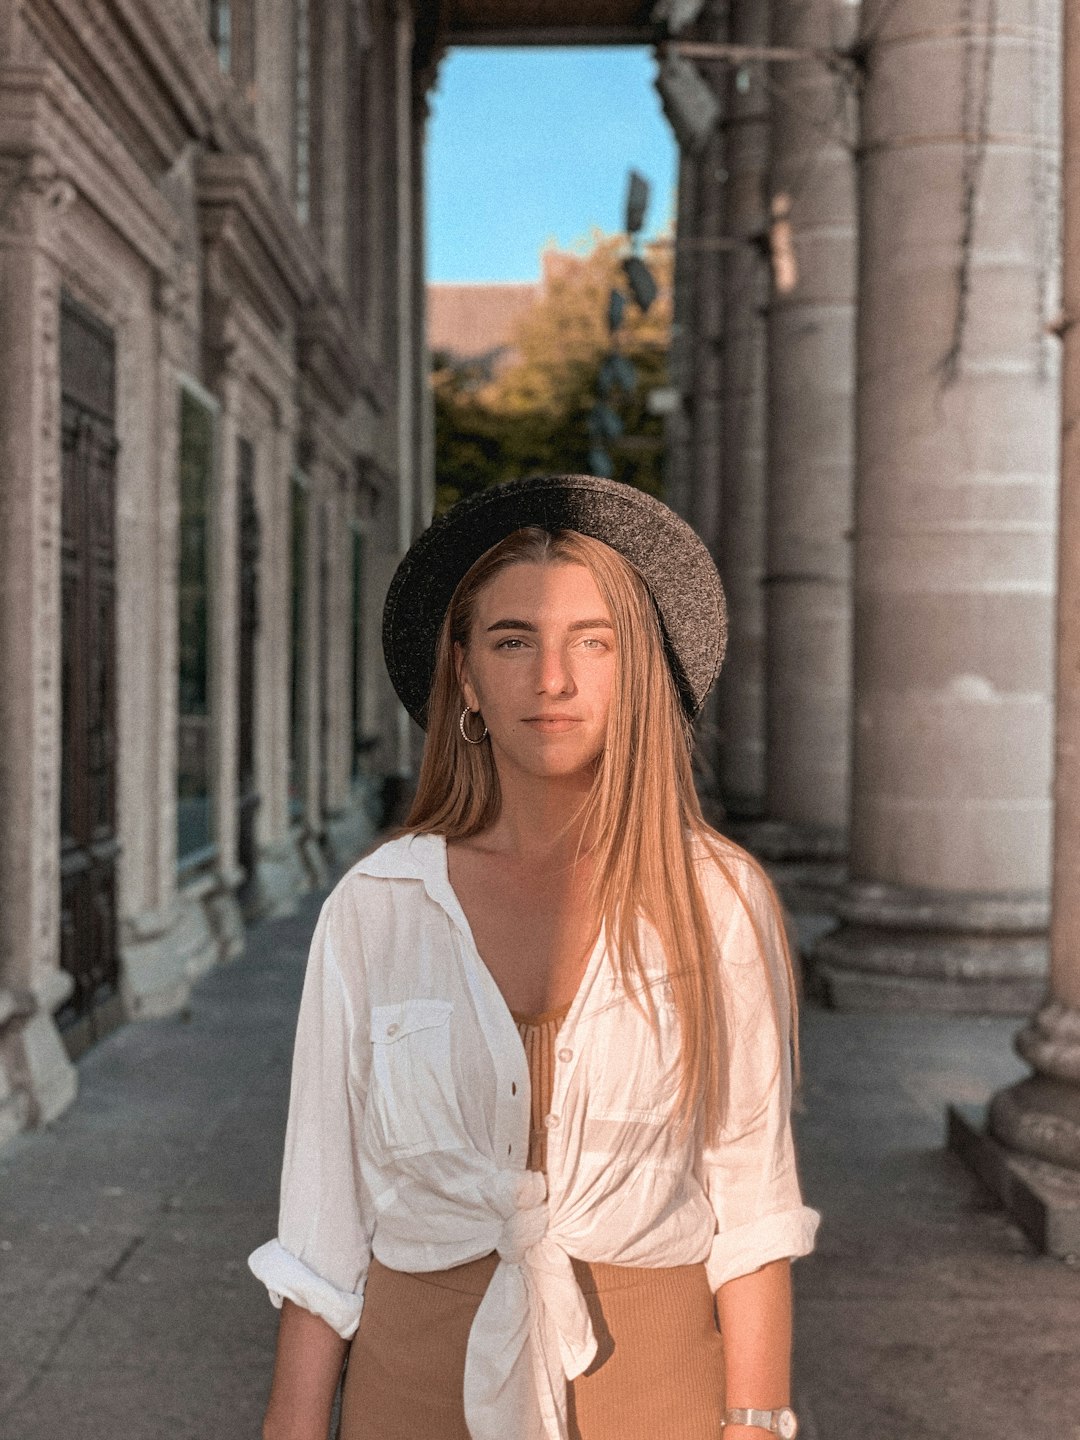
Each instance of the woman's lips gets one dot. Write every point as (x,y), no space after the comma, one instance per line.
(553,724)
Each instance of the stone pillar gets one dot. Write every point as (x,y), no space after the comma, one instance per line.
(405,359)
(223,904)
(707,375)
(169,933)
(693,427)
(424,445)
(338,739)
(37,1080)
(810,442)
(741,546)
(957,419)
(280,873)
(678,431)
(1030,1149)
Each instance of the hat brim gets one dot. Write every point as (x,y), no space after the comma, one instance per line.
(671,558)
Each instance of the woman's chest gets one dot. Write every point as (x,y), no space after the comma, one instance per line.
(448,1071)
(534,935)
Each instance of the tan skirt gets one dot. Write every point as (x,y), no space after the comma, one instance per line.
(659,1370)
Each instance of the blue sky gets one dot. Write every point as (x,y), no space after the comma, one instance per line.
(530,146)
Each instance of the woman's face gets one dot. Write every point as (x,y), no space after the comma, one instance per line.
(540,667)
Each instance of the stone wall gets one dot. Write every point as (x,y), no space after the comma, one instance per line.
(153,180)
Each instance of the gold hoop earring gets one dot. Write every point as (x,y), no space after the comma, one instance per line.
(461,727)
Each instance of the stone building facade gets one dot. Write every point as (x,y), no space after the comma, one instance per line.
(214,447)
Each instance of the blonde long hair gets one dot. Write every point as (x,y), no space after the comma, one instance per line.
(642,809)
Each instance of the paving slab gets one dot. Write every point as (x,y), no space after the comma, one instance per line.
(128,1312)
(924,1312)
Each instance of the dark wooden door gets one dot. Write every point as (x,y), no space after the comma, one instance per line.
(247,792)
(88,841)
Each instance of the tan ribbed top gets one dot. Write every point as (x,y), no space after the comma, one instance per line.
(538,1034)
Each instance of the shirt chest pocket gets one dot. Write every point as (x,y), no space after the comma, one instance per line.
(412,1093)
(635,1083)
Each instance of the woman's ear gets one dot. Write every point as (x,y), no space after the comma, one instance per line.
(462,678)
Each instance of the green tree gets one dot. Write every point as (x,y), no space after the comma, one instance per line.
(530,418)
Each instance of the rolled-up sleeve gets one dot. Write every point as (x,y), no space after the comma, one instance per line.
(320,1256)
(750,1175)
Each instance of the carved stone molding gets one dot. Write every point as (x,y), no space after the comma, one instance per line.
(1050,1042)
(256,248)
(50,131)
(45,676)
(151,68)
(1039,1117)
(327,355)
(31,192)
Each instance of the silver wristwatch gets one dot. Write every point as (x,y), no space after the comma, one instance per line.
(781,1422)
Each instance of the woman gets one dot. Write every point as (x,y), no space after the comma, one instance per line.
(541,1089)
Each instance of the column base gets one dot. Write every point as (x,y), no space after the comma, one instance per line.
(37,1079)
(280,879)
(807,863)
(1043,1198)
(163,954)
(923,950)
(226,916)
(787,843)
(314,859)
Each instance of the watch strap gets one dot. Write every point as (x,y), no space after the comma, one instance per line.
(764,1419)
(782,1422)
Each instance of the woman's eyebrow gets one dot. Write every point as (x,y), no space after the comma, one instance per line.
(598,624)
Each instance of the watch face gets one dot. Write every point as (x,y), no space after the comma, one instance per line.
(786,1425)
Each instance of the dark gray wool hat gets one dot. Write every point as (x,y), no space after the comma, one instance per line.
(670,557)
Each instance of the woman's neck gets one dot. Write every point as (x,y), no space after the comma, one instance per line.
(541,817)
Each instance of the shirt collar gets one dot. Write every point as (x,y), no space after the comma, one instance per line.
(416,857)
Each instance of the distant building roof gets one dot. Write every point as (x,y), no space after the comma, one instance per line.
(475,322)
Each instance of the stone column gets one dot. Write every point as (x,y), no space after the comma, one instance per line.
(280,872)
(37,1080)
(424,447)
(313,671)
(810,442)
(693,431)
(338,660)
(223,904)
(1030,1149)
(678,431)
(740,549)
(710,256)
(957,420)
(405,359)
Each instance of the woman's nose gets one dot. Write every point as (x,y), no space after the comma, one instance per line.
(554,677)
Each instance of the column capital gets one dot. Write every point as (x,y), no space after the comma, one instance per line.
(29,192)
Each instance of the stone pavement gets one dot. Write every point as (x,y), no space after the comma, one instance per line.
(127,1311)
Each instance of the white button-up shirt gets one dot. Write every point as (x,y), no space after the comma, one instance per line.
(409,1115)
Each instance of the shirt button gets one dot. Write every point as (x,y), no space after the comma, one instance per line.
(551,1121)
(392,1029)
(565,1054)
